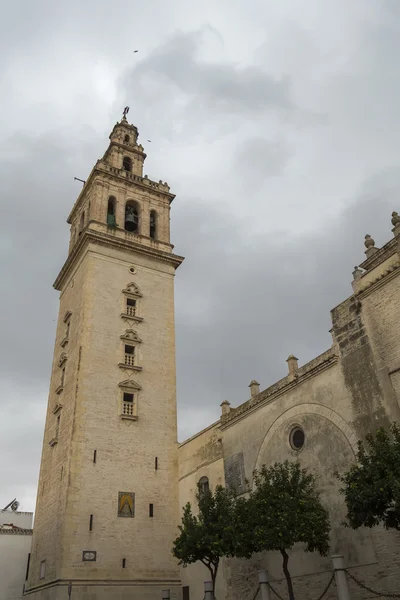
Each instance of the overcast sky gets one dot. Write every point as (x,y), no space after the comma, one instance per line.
(276,124)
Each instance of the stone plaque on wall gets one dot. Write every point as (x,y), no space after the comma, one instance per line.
(89,555)
(234,473)
(126,504)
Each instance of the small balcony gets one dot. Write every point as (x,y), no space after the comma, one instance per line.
(131,311)
(130,360)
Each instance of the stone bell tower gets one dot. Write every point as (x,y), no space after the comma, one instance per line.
(107,506)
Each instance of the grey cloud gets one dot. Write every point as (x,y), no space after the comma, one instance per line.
(271,210)
(262,157)
(219,87)
(253,305)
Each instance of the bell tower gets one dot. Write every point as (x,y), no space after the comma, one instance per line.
(107,504)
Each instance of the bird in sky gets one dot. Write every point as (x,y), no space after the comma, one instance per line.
(135,51)
(149,141)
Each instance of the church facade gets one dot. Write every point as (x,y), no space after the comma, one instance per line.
(113,478)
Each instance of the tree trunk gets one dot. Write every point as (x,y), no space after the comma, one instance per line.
(213,572)
(287,574)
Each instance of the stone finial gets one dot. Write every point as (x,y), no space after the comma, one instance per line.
(396,223)
(254,388)
(395,218)
(357,273)
(226,407)
(292,364)
(369,243)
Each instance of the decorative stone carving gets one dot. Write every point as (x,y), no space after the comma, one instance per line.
(369,242)
(293,365)
(357,273)
(254,388)
(129,384)
(225,407)
(395,219)
(133,290)
(131,336)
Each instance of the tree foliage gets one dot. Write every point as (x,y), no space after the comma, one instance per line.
(283,509)
(371,487)
(210,535)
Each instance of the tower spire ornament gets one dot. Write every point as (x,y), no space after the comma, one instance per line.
(125,112)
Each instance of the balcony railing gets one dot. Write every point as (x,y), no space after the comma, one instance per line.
(131,311)
(130,360)
(127,409)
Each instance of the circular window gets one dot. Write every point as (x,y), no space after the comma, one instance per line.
(132,270)
(297,438)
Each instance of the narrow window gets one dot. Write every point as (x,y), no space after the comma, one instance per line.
(27,566)
(131,218)
(67,332)
(156,463)
(94,455)
(91,523)
(127,404)
(130,355)
(204,485)
(131,307)
(42,569)
(111,212)
(123,563)
(58,425)
(62,377)
(151,510)
(153,221)
(127,163)
(126,139)
(62,470)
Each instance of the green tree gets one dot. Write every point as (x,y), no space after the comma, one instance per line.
(371,487)
(211,534)
(283,509)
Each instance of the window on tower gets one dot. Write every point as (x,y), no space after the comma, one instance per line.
(111,212)
(129,355)
(204,485)
(128,404)
(126,139)
(131,307)
(153,224)
(131,217)
(127,163)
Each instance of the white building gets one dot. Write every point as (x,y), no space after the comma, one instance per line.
(15,546)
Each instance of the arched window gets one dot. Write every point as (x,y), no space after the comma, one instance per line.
(132,217)
(204,486)
(127,163)
(153,224)
(111,212)
(126,139)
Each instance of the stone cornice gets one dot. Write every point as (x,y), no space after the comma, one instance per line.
(382,279)
(380,255)
(104,239)
(311,369)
